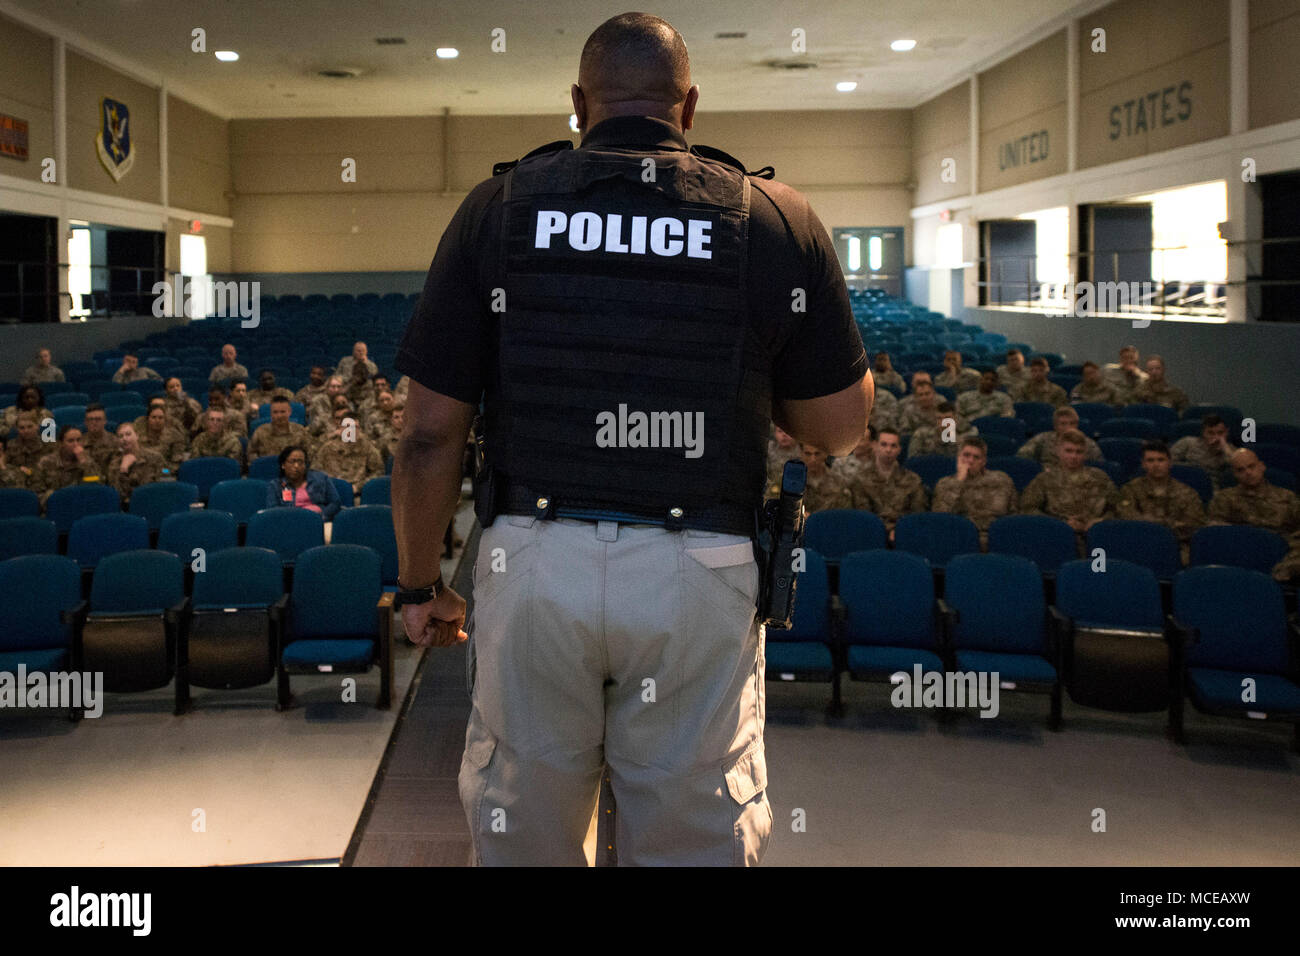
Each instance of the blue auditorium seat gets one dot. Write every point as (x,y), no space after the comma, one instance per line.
(1195,478)
(19,503)
(36,632)
(158,499)
(206,472)
(936,536)
(805,652)
(1048,542)
(1241,546)
(370,526)
(883,637)
(27,535)
(1021,470)
(1151,545)
(66,505)
(836,532)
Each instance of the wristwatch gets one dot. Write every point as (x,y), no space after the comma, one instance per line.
(418,595)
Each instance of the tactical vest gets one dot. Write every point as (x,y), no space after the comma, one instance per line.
(624,329)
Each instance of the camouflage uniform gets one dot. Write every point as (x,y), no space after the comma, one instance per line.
(35,375)
(966,380)
(260,396)
(1288,569)
(320,410)
(1102,392)
(890,379)
(983,499)
(928,440)
(1124,382)
(1048,392)
(826,491)
(220,373)
(234,424)
(224,445)
(26,454)
(52,473)
(1267,506)
(776,459)
(1085,493)
(171,445)
(1192,450)
(268,441)
(137,374)
(850,467)
(976,405)
(184,412)
(912,416)
(13,477)
(355,461)
(1009,379)
(1042,449)
(102,447)
(884,410)
(1170,503)
(1170,396)
(888,496)
(147,467)
(402,388)
(307,395)
(12,412)
(344,369)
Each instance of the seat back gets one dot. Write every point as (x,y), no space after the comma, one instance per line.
(344,488)
(377,491)
(1163,417)
(1125,452)
(1239,615)
(1096,412)
(137,582)
(907,618)
(265,468)
(1021,470)
(1195,478)
(66,505)
(836,532)
(19,503)
(1012,428)
(936,536)
(206,472)
(49,584)
(1048,542)
(1239,546)
(335,590)
(932,467)
(94,537)
(1129,427)
(240,497)
(287,531)
(1125,595)
(239,577)
(370,526)
(209,530)
(999,603)
(1143,542)
(20,536)
(158,499)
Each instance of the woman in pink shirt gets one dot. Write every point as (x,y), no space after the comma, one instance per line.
(298,487)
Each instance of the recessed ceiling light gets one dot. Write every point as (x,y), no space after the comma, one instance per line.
(847,86)
(447,52)
(902,46)
(226,56)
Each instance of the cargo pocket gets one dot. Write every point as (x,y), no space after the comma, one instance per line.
(474,775)
(727,574)
(747,786)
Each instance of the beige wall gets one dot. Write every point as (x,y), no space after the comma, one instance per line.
(1162,82)
(1023,116)
(218,243)
(941,130)
(89,81)
(1274,65)
(294,213)
(27,93)
(198,159)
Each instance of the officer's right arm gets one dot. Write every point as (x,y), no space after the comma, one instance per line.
(834,423)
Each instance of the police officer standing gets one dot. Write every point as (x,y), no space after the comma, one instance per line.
(624,312)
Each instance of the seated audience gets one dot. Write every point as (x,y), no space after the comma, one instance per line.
(234,423)
(229,370)
(96,438)
(162,436)
(1253,500)
(1077,494)
(885,375)
(1157,391)
(1042,447)
(348,454)
(133,465)
(826,488)
(979,494)
(941,434)
(345,371)
(315,386)
(29,446)
(1094,388)
(30,399)
(300,488)
(43,370)
(1211,450)
(68,464)
(1156,497)
(320,412)
(1124,376)
(278,433)
(1038,388)
(215,441)
(11,476)
(265,391)
(955,377)
(986,400)
(133,371)
(1013,374)
(883,486)
(183,411)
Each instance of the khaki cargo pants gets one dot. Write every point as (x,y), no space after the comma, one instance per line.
(627,645)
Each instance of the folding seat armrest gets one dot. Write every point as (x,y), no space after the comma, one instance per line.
(280,609)
(178,612)
(946,611)
(1180,634)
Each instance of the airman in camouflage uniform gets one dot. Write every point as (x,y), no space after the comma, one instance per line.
(277,434)
(1042,447)
(233,422)
(96,439)
(1253,500)
(183,411)
(1078,495)
(979,494)
(1211,451)
(320,413)
(1156,497)
(885,375)
(954,376)
(69,464)
(1012,373)
(166,440)
(265,391)
(315,387)
(884,410)
(1094,388)
(215,441)
(1124,376)
(884,487)
(919,408)
(1287,570)
(133,465)
(1157,391)
(942,435)
(355,461)
(986,400)
(826,488)
(26,448)
(10,475)
(1038,388)
(850,466)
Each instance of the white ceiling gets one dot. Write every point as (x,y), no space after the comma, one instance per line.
(284,43)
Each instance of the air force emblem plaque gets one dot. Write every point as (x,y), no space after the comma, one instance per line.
(113,141)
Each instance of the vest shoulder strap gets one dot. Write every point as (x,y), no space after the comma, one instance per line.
(555,147)
(708,152)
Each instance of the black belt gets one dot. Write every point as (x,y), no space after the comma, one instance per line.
(722,519)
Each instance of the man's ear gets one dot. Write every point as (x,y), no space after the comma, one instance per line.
(688,107)
(579,105)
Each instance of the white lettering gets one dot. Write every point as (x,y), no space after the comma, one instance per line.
(660,230)
(549,223)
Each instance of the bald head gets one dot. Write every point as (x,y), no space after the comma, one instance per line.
(1247,468)
(634,64)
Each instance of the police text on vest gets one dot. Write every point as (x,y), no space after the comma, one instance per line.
(651,430)
(588,232)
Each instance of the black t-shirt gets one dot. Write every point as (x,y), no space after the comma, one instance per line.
(448,346)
